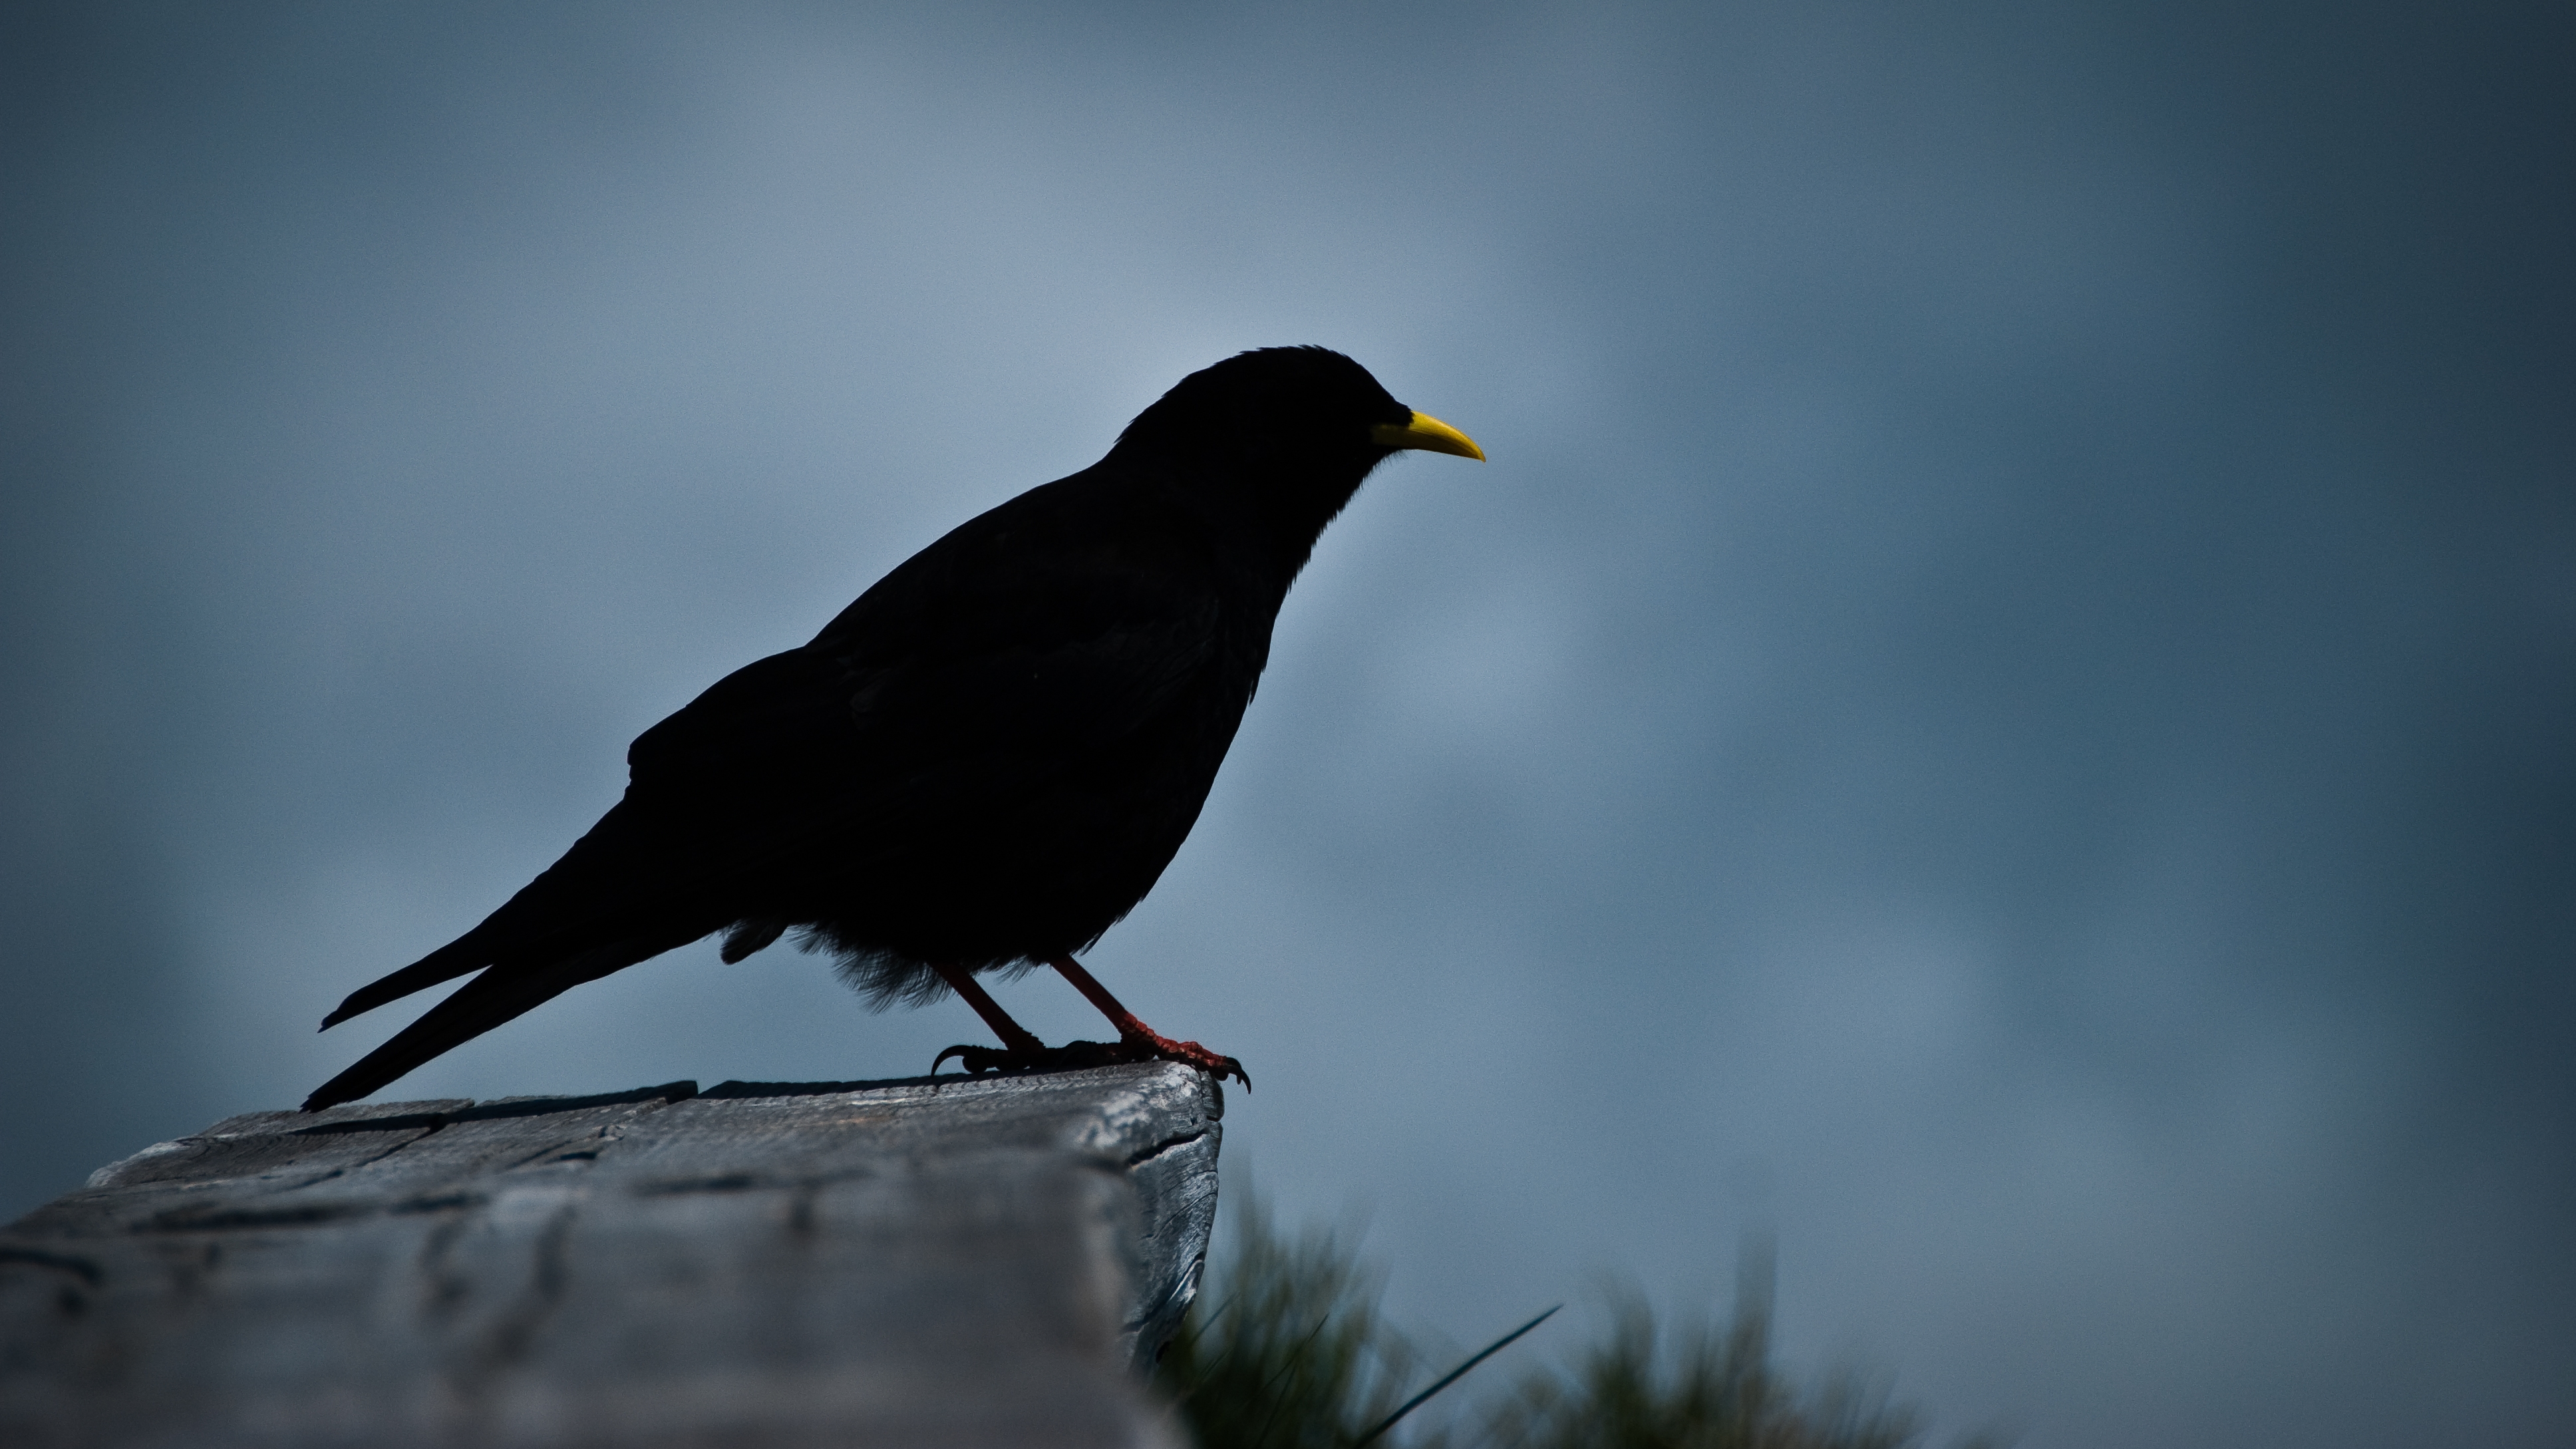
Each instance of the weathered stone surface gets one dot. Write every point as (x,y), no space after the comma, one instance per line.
(964,1262)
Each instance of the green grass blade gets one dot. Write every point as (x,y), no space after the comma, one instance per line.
(1451,1377)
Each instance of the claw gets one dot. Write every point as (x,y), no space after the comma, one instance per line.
(977,1060)
(1219,1067)
(1139,1042)
(1189,1054)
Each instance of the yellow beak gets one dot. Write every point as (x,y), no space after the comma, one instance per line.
(1429,434)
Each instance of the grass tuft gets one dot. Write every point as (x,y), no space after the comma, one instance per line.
(1288,1350)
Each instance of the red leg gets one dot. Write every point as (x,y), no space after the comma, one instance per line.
(1017,1040)
(1136,1034)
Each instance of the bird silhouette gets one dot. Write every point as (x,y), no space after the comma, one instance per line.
(984,762)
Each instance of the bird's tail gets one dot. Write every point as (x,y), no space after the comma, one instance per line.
(503,991)
(466,953)
(562,914)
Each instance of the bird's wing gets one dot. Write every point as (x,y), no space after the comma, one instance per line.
(984,704)
(1002,656)
(1006,653)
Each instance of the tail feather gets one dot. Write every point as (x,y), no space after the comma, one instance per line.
(456,958)
(570,903)
(499,994)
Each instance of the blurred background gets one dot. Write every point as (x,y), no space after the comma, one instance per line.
(2004,712)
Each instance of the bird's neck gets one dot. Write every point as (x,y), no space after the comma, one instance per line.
(1268,517)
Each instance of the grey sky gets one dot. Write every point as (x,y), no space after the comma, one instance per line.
(2004,707)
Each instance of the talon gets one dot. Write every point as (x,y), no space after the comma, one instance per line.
(976,1060)
(1189,1054)
(1139,1041)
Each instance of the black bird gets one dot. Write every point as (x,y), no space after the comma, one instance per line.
(983,763)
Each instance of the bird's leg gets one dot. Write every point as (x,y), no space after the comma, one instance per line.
(1017,1040)
(1143,1040)
(1022,1051)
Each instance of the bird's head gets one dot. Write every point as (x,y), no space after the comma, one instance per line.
(1302,422)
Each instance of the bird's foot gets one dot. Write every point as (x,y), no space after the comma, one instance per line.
(1150,1046)
(978,1060)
